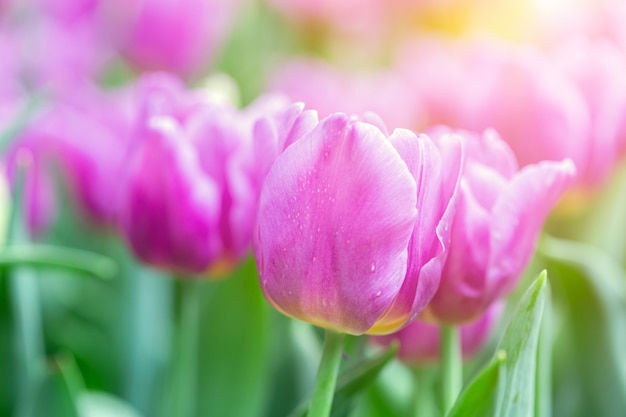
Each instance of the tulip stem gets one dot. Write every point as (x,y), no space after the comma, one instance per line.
(186,352)
(452,366)
(423,404)
(324,390)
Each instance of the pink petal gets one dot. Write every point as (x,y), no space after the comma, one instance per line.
(437,180)
(171,211)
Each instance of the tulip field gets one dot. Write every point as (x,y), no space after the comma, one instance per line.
(267,208)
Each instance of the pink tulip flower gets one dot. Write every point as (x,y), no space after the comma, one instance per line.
(89,138)
(597,68)
(182,37)
(197,215)
(515,90)
(330,90)
(499,216)
(85,141)
(352,229)
(419,342)
(82,46)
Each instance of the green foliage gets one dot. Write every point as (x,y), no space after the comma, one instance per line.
(590,365)
(506,386)
(353,381)
(235,342)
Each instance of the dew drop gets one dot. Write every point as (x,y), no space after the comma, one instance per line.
(373,267)
(378,293)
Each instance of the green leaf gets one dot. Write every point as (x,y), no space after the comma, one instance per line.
(590,287)
(481,397)
(391,395)
(506,387)
(353,380)
(27,332)
(59,391)
(100,404)
(235,342)
(51,256)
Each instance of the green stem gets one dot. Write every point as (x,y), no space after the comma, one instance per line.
(422,404)
(452,366)
(187,349)
(29,343)
(324,390)
(148,318)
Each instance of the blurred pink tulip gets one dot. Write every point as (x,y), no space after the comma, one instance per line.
(85,140)
(496,226)
(338,241)
(77,59)
(419,342)
(171,211)
(513,89)
(90,136)
(197,214)
(329,90)
(182,37)
(597,68)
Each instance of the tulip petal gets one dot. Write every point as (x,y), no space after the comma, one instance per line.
(171,211)
(437,181)
(336,215)
(518,216)
(463,282)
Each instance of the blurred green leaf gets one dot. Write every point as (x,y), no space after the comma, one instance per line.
(27,333)
(605,216)
(100,404)
(234,349)
(390,395)
(506,387)
(260,40)
(591,289)
(60,389)
(75,260)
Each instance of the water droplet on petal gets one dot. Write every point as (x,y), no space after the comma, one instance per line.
(373,267)
(378,293)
